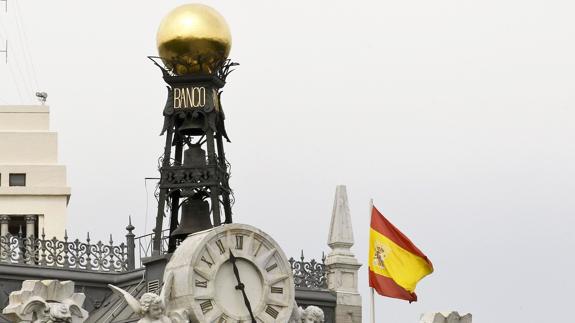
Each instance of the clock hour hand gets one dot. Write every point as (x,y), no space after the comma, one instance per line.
(241,286)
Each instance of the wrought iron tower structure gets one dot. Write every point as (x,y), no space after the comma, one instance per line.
(194,172)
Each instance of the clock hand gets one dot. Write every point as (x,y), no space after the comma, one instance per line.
(241,286)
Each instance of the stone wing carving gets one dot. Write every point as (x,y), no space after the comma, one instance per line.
(34,305)
(152,307)
(131,300)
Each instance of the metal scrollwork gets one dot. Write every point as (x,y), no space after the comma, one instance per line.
(219,68)
(225,69)
(309,274)
(185,176)
(106,257)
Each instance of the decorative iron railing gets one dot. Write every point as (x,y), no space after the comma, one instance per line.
(309,274)
(69,254)
(73,254)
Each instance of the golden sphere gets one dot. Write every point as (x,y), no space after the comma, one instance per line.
(193,38)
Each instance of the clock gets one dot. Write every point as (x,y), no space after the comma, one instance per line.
(231,273)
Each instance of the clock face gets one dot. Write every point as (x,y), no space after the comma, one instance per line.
(262,268)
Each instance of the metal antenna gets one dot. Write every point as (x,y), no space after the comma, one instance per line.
(42,96)
(5,50)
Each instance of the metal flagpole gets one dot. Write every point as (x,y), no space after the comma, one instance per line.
(372,314)
(372,303)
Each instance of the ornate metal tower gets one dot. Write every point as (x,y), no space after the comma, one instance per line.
(194,172)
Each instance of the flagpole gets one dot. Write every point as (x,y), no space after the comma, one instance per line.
(372,307)
(372,303)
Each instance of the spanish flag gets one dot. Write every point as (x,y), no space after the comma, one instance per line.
(396,265)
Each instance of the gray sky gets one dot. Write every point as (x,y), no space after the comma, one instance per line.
(456,116)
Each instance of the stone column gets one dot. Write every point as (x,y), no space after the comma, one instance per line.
(342,266)
(30,233)
(30,225)
(4,219)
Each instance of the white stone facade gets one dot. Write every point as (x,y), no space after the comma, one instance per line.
(27,146)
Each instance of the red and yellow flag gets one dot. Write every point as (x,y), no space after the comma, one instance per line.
(396,265)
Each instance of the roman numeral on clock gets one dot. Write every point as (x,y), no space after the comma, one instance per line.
(239,242)
(272,312)
(221,247)
(206,306)
(272,267)
(203,284)
(277,290)
(258,249)
(206,261)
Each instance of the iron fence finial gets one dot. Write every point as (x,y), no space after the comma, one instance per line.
(130,227)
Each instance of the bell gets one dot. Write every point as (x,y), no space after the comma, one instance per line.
(195,156)
(195,218)
(192,126)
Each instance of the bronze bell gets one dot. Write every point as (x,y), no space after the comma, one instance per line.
(195,217)
(195,156)
(192,126)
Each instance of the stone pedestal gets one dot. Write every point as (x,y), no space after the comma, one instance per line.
(342,266)
(155,267)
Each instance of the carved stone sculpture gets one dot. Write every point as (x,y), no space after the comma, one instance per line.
(180,316)
(46,301)
(152,307)
(446,317)
(312,314)
(296,314)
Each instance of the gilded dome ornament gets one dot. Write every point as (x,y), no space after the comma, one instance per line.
(193,39)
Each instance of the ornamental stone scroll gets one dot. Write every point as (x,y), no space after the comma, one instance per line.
(46,301)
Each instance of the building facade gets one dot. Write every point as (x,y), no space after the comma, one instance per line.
(34,193)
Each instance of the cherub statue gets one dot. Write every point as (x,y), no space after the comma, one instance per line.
(313,314)
(151,307)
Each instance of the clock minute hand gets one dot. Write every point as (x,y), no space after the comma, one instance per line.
(241,286)
(236,272)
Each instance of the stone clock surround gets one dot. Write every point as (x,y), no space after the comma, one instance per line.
(186,263)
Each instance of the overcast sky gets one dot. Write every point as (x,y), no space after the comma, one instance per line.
(455,116)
